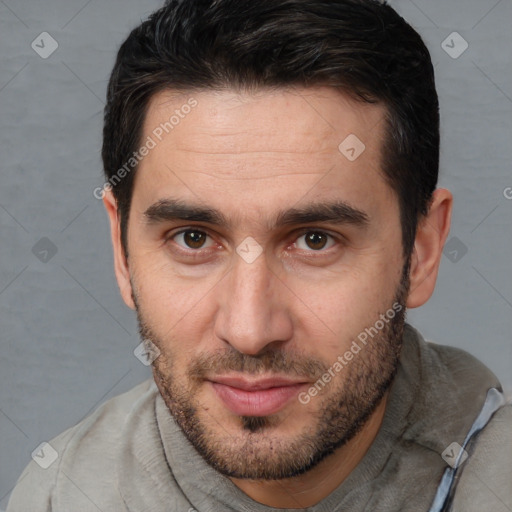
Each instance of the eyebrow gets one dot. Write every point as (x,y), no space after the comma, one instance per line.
(335,212)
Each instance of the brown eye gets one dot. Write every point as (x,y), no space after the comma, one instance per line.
(191,239)
(194,239)
(314,240)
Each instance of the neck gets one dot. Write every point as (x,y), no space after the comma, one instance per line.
(312,487)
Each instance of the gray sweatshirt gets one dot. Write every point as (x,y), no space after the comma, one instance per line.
(129,455)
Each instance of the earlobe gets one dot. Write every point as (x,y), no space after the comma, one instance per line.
(431,235)
(120,262)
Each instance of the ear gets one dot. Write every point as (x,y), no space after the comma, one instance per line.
(431,235)
(120,261)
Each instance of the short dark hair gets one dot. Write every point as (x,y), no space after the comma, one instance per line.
(360,47)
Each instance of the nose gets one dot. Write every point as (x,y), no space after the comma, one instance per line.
(252,310)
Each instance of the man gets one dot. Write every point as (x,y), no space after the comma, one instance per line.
(271,176)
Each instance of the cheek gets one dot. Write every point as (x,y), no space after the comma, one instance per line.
(337,310)
(173,308)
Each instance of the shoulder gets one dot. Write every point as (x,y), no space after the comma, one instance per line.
(447,361)
(82,456)
(449,373)
(485,482)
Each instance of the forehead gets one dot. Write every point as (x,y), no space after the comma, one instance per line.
(263,120)
(261,148)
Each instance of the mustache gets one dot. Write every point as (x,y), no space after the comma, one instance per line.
(268,362)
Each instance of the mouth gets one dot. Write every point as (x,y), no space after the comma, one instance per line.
(258,397)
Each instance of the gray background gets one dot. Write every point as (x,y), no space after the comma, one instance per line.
(67,339)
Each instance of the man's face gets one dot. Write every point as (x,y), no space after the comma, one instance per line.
(258,253)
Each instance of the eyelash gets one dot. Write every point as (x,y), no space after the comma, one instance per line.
(191,251)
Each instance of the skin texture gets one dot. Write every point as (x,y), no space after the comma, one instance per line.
(299,305)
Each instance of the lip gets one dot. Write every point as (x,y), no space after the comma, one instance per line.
(259,397)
